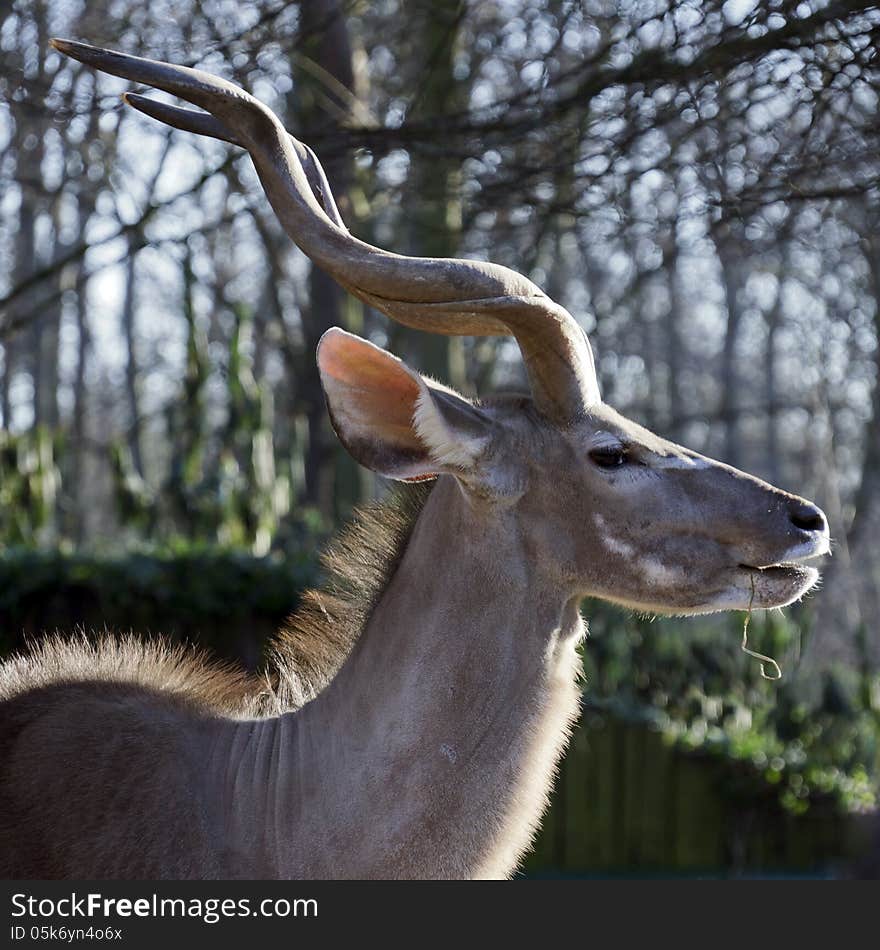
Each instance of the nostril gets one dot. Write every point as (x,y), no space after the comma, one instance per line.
(807,517)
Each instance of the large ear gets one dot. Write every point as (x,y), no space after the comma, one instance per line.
(392,420)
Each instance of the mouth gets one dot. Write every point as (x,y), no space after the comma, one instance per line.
(782,582)
(795,558)
(785,571)
(743,586)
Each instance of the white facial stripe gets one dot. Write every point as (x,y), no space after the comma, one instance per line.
(617,547)
(655,572)
(679,462)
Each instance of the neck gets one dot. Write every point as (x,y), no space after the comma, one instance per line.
(432,751)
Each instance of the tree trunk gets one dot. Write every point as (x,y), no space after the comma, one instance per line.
(45,329)
(869,483)
(327,46)
(74,486)
(131,366)
(771,389)
(730,280)
(675,345)
(435,215)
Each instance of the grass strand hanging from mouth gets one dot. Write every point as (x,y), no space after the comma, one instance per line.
(775,670)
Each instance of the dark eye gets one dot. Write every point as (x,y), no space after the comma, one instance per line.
(609,457)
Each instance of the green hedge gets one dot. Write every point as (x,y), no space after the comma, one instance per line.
(803,740)
(229,601)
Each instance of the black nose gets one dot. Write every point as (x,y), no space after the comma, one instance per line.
(807,517)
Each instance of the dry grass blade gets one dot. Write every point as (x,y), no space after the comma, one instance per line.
(776,672)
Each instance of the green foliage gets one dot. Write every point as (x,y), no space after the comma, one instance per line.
(227,600)
(29,485)
(135,503)
(231,487)
(804,742)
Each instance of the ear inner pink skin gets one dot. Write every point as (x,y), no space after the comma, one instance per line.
(373,399)
(351,363)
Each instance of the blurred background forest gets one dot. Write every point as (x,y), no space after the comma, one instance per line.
(698,182)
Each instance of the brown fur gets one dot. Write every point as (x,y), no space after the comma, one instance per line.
(51,829)
(68,694)
(312,646)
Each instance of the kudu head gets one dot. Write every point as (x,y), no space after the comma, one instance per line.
(610,508)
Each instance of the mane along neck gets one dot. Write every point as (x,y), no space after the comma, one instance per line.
(431,752)
(359,564)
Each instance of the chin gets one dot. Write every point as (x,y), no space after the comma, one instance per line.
(758,588)
(764,588)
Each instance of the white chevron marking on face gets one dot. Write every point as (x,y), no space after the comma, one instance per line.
(657,573)
(617,547)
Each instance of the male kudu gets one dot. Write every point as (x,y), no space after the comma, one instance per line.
(418,709)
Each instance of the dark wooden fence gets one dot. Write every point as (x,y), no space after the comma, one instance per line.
(626,801)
